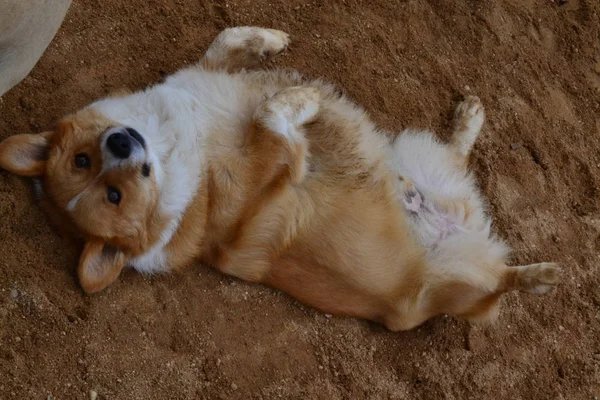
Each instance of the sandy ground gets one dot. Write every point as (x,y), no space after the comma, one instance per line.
(536,66)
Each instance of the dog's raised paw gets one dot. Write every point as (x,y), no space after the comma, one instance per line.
(275,41)
(265,42)
(289,109)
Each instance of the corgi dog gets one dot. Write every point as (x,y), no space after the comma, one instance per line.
(274,178)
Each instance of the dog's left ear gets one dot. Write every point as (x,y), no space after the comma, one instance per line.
(100,264)
(25,154)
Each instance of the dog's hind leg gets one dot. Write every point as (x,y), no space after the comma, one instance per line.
(243,47)
(475,294)
(468,120)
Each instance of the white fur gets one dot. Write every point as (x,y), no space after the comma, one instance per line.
(471,114)
(73,202)
(274,40)
(454,241)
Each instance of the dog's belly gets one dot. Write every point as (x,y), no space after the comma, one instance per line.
(430,222)
(439,197)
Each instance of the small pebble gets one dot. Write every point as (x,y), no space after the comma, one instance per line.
(467,88)
(93,395)
(515,146)
(561,328)
(597,67)
(234,386)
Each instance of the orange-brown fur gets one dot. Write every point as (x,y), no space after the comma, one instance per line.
(79,133)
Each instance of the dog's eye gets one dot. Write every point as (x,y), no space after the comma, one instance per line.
(82,160)
(113,195)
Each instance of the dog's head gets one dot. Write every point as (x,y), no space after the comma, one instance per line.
(98,177)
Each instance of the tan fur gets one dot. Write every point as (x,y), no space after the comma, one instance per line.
(311,211)
(99,265)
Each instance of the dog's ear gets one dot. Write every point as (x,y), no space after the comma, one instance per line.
(100,264)
(25,154)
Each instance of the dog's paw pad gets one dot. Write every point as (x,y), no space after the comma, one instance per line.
(540,278)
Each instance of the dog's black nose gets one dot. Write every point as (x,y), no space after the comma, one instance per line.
(119,144)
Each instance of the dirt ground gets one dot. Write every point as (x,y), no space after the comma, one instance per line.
(536,66)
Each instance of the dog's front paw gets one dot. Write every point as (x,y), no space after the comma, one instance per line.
(289,109)
(264,42)
(275,41)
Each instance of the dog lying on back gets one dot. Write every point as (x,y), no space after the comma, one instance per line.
(272,178)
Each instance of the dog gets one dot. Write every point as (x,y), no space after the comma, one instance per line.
(273,178)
